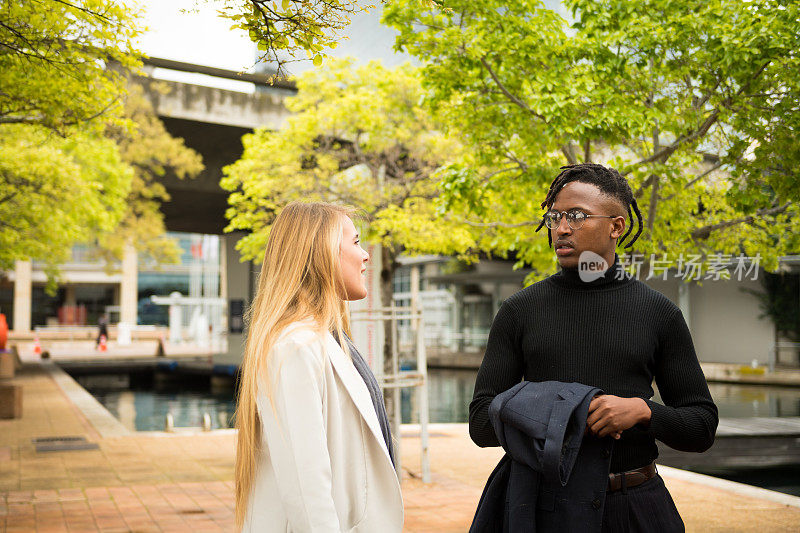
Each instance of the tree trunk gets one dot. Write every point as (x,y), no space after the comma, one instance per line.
(388,266)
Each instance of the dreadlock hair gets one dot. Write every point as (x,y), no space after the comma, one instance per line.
(609,181)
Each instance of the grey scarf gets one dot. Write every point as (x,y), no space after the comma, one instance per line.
(374,392)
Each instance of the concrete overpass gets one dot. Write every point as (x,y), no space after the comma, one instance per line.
(211,121)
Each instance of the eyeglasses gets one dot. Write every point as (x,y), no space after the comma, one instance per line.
(575,219)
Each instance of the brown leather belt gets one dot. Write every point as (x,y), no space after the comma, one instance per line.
(631,478)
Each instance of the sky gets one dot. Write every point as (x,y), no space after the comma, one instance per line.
(190,31)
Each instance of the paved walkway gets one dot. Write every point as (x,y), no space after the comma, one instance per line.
(146,482)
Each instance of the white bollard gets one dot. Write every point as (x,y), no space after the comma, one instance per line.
(124,334)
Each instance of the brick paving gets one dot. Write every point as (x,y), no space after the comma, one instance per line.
(151,482)
(195,506)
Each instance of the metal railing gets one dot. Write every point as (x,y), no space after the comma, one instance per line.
(445,338)
(80,333)
(400,379)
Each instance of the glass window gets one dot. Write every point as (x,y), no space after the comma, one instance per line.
(402,280)
(158,284)
(7,301)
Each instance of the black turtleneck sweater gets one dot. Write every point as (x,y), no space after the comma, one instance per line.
(614,333)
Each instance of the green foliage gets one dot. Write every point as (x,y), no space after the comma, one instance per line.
(284,29)
(151,152)
(695,102)
(56,191)
(61,181)
(54,56)
(78,155)
(357,136)
(780,301)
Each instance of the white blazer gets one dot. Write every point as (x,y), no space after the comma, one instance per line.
(323,466)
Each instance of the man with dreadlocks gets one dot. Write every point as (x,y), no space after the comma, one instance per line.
(608,331)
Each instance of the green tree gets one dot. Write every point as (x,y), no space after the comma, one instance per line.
(61,180)
(79,154)
(779,301)
(357,136)
(151,152)
(56,191)
(90,187)
(54,56)
(284,29)
(695,102)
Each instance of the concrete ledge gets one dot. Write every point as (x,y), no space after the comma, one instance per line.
(747,375)
(103,421)
(732,486)
(10,400)
(8,365)
(186,431)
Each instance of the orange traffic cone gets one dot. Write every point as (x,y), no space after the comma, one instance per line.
(103,346)
(37,348)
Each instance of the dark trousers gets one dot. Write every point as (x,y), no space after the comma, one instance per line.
(646,508)
(103,330)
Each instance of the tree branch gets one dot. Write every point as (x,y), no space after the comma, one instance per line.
(85,10)
(508,94)
(522,164)
(703,175)
(696,179)
(569,153)
(663,154)
(651,209)
(8,197)
(496,224)
(490,175)
(705,232)
(21,120)
(645,184)
(41,120)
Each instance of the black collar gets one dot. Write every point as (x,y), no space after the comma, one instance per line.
(614,277)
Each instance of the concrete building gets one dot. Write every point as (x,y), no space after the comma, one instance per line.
(723,315)
(88,287)
(458,304)
(212,122)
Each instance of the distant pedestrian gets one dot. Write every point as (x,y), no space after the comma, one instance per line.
(314,451)
(102,330)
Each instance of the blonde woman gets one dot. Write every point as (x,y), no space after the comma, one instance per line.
(314,452)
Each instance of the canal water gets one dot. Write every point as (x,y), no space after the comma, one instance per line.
(140,408)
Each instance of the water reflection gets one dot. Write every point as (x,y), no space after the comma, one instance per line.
(784,478)
(739,401)
(144,410)
(449,394)
(449,391)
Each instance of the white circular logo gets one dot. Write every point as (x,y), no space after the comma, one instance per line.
(591,266)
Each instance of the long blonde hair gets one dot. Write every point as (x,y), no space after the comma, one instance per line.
(300,278)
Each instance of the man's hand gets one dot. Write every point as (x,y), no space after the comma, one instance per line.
(610,415)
